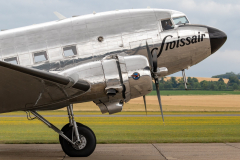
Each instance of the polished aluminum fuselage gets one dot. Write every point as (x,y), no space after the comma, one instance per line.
(124,32)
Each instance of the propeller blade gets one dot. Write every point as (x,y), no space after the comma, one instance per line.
(154,60)
(144,99)
(159,97)
(152,57)
(149,56)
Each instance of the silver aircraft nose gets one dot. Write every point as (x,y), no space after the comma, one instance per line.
(217,38)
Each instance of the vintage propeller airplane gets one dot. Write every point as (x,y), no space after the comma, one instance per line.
(108,58)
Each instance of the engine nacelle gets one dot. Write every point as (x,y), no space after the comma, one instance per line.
(125,78)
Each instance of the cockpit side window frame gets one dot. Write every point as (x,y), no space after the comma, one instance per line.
(162,28)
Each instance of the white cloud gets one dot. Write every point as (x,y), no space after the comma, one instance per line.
(211,7)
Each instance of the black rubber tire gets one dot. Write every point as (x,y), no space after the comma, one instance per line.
(65,128)
(87,150)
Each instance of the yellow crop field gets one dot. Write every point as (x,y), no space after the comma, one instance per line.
(176,103)
(189,103)
(202,79)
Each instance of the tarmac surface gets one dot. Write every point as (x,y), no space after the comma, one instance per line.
(159,151)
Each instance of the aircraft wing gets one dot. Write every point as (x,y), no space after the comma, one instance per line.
(23,88)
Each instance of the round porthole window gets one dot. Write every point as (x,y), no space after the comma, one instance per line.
(100,39)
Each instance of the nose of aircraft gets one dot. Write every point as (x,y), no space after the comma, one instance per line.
(217,38)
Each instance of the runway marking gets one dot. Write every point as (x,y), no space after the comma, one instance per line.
(159,151)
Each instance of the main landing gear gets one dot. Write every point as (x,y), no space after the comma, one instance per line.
(76,139)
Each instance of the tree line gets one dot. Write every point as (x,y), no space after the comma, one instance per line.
(178,84)
(227,75)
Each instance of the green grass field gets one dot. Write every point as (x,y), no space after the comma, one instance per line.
(194,92)
(60,112)
(127,129)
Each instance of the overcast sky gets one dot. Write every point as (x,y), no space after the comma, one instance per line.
(222,14)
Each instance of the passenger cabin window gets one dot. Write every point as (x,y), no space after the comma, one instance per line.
(167,24)
(40,57)
(70,51)
(180,20)
(12,60)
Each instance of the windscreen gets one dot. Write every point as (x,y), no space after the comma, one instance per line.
(180,20)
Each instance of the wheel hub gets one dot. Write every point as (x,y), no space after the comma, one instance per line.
(80,145)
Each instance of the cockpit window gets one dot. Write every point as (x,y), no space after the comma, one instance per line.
(180,20)
(167,24)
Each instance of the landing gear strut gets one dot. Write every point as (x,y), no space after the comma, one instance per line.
(184,79)
(76,139)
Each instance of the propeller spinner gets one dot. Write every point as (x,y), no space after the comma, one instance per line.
(152,57)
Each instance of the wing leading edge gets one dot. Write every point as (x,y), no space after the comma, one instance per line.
(23,88)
